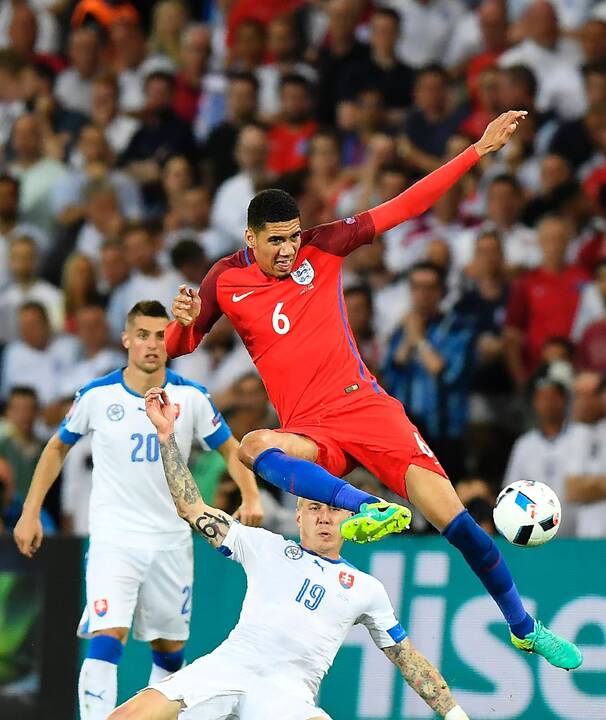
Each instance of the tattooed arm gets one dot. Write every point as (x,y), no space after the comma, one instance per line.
(424,679)
(209,522)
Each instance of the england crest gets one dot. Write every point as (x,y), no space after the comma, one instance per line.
(346,579)
(304,274)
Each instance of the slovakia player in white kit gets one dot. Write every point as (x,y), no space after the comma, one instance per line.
(302,600)
(140,563)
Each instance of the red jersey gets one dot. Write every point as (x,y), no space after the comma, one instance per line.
(295,328)
(542,305)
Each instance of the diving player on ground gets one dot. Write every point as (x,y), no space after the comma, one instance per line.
(302,600)
(283,295)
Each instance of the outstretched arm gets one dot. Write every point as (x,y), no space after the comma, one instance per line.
(211,523)
(421,196)
(425,679)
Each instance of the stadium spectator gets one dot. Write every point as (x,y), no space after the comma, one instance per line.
(113,268)
(249,46)
(147,279)
(189,259)
(288,138)
(11,94)
(381,69)
(487,103)
(585,464)
(162,134)
(543,302)
(359,305)
(478,40)
(169,19)
(228,216)
(19,444)
(576,139)
(593,40)
(37,359)
(541,453)
(102,219)
(431,120)
(9,216)
(556,173)
(241,109)
(426,29)
(78,286)
(74,85)
(589,329)
(430,345)
(23,35)
(368,121)
(47,37)
(285,48)
(194,221)
(128,44)
(194,51)
(11,504)
(491,412)
(26,286)
(337,57)
(553,59)
(177,179)
(96,357)
(94,164)
(105,113)
(37,173)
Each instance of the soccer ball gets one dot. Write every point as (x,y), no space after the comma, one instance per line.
(527,513)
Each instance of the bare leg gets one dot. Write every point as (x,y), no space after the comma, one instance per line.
(147,705)
(167,646)
(434,495)
(255,442)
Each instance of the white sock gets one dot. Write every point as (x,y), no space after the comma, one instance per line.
(158,673)
(97,689)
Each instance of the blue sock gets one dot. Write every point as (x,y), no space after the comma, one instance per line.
(485,559)
(308,480)
(106,648)
(169,661)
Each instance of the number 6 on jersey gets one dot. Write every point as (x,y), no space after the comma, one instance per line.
(279,320)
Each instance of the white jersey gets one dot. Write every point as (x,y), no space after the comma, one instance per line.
(130,501)
(297,612)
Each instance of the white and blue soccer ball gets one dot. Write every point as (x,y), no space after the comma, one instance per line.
(527,513)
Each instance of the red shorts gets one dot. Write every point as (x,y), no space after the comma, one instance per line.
(374,433)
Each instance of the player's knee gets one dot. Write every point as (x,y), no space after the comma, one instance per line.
(120,634)
(253,444)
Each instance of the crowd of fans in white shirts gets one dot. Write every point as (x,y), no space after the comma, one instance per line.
(132,141)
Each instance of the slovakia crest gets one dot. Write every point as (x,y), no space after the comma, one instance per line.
(101,607)
(293,552)
(304,274)
(346,579)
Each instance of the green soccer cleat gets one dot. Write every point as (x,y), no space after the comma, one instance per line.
(375,521)
(557,651)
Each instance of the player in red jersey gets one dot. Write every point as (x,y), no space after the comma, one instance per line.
(283,295)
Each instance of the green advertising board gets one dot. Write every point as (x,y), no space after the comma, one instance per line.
(448,616)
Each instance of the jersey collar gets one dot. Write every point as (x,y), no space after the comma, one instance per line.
(130,391)
(330,560)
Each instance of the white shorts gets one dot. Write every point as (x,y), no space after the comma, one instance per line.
(150,590)
(213,688)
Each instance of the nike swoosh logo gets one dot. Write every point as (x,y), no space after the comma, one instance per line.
(237,298)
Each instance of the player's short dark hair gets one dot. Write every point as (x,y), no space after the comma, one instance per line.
(388,12)
(524,76)
(146,308)
(269,206)
(428,266)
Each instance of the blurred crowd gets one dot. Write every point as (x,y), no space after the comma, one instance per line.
(134,134)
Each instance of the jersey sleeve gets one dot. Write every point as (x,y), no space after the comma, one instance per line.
(249,546)
(77,421)
(183,340)
(209,425)
(342,236)
(380,620)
